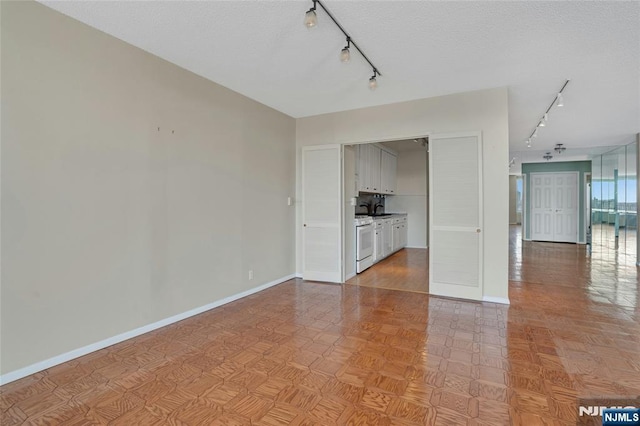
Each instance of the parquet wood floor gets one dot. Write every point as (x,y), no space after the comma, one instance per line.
(306,353)
(407,269)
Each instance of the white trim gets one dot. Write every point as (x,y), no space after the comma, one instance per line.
(501,300)
(417,247)
(298,275)
(348,277)
(586,212)
(68,356)
(525,208)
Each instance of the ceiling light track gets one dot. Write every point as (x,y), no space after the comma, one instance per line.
(557,101)
(311,20)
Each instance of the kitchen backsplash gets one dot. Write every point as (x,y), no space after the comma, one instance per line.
(371,199)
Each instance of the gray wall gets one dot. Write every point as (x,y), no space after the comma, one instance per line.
(132,190)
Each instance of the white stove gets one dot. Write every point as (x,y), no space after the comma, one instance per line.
(363,220)
(364,242)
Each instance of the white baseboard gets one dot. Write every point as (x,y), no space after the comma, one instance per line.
(418,247)
(501,300)
(68,356)
(348,277)
(298,275)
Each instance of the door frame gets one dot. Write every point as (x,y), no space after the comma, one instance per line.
(586,207)
(343,236)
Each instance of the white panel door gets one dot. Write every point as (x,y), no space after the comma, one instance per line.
(554,207)
(542,215)
(455,205)
(566,207)
(321,212)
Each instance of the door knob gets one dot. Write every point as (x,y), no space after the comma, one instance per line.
(478,230)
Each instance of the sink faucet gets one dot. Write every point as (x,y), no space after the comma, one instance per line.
(368,206)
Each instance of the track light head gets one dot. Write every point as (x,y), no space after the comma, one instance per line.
(559,100)
(345,55)
(543,122)
(311,18)
(373,83)
(535,133)
(529,143)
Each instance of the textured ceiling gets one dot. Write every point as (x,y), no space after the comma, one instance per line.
(423,49)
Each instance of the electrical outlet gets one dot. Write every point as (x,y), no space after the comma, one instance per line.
(250,274)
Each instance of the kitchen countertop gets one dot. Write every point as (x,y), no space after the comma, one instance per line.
(381,215)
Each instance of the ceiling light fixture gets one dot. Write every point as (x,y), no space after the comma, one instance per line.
(373,83)
(543,122)
(345,54)
(559,148)
(311,20)
(547,156)
(558,101)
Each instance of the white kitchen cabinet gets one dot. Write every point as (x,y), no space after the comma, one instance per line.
(387,239)
(363,168)
(378,241)
(376,170)
(396,237)
(388,168)
(399,233)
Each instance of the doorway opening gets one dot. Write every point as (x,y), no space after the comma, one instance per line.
(389,185)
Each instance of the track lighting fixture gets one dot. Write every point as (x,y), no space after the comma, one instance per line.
(559,148)
(311,20)
(545,118)
(373,83)
(547,156)
(543,122)
(345,55)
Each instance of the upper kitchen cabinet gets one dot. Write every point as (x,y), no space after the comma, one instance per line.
(388,166)
(376,170)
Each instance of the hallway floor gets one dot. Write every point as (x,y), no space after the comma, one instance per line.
(310,353)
